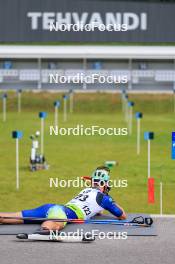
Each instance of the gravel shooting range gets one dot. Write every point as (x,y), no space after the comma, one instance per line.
(87,131)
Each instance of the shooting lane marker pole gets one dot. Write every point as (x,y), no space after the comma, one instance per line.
(42,116)
(4,107)
(17,135)
(126,107)
(56,106)
(150,136)
(19,100)
(138,116)
(161,199)
(123,93)
(65,97)
(130,114)
(71,101)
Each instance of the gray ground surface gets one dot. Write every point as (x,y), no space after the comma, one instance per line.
(157,249)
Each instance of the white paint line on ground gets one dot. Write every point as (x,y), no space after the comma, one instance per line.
(162,216)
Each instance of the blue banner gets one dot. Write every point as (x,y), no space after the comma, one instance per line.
(173,145)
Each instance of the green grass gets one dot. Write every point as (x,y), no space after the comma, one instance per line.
(73,156)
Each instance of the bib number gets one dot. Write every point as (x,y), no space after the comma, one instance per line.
(86,210)
(82,197)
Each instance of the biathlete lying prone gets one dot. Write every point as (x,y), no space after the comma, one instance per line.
(88,203)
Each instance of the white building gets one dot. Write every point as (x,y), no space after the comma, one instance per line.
(31,67)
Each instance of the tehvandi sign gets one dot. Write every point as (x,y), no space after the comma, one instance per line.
(52,21)
(139,22)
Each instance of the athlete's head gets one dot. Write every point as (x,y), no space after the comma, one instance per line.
(100,178)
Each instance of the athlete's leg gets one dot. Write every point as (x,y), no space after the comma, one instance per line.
(55,212)
(11,221)
(39,212)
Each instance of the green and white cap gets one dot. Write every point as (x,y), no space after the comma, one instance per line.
(100,175)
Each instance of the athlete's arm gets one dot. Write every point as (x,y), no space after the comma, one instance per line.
(108,204)
(123,216)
